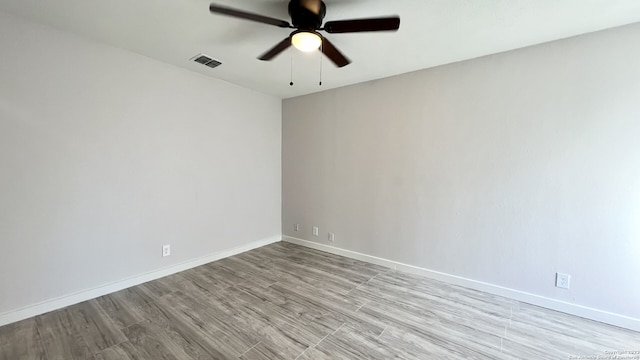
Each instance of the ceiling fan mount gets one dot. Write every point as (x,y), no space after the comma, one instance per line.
(306,14)
(306,18)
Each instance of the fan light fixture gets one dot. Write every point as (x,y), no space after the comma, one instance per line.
(306,18)
(306,41)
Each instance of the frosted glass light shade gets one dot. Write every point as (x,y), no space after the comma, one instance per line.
(306,41)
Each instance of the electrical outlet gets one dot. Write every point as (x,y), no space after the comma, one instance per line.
(562,280)
(332,237)
(166,250)
(296,227)
(315,231)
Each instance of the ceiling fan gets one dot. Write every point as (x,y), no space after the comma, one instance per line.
(306,19)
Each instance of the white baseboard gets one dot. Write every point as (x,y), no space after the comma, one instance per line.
(562,306)
(71,299)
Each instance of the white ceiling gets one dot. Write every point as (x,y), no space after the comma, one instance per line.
(432,33)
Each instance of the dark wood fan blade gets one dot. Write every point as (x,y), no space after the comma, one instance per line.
(282,45)
(348,26)
(248,16)
(333,53)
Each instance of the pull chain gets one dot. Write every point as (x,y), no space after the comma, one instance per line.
(291,74)
(321,53)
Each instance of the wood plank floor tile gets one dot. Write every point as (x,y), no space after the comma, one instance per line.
(284,301)
(314,354)
(123,351)
(223,332)
(60,338)
(350,343)
(337,299)
(553,322)
(396,283)
(218,276)
(188,282)
(278,323)
(151,340)
(460,339)
(179,327)
(267,351)
(277,343)
(21,341)
(314,308)
(367,269)
(78,331)
(123,313)
(406,344)
(135,296)
(94,326)
(429,307)
(154,289)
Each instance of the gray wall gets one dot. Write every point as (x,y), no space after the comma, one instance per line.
(106,155)
(503,169)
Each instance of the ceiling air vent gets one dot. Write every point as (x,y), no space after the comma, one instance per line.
(206,60)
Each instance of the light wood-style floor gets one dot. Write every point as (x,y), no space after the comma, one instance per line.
(284,301)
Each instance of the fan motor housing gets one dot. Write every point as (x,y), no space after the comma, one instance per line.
(304,18)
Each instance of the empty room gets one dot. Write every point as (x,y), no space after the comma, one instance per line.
(306,179)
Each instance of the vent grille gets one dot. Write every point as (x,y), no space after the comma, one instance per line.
(206,60)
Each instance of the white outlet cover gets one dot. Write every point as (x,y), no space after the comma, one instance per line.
(332,237)
(315,231)
(166,250)
(563,280)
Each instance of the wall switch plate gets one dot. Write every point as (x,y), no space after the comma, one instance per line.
(315,231)
(332,237)
(296,227)
(562,280)
(166,250)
